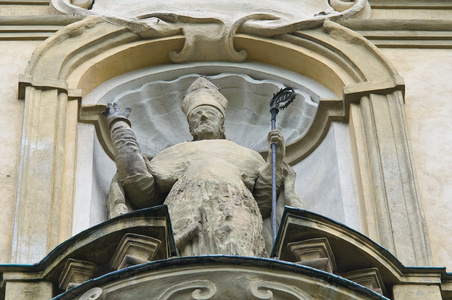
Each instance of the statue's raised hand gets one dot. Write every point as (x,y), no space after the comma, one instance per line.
(113,113)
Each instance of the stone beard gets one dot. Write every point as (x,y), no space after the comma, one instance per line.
(217,192)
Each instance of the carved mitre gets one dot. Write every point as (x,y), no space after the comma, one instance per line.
(203,92)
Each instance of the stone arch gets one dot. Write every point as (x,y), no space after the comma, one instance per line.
(95,51)
(83,55)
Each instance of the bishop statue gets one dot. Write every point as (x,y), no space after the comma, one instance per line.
(218,193)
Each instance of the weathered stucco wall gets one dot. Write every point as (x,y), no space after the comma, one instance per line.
(13,59)
(427,75)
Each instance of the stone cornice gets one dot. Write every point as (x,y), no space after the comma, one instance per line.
(32,27)
(393,33)
(58,20)
(384,33)
(410,4)
(24,2)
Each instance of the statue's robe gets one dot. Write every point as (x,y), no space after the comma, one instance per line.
(216,196)
(210,184)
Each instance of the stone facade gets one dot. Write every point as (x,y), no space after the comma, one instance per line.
(369,139)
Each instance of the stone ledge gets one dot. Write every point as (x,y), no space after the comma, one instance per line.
(16,28)
(395,33)
(410,4)
(24,2)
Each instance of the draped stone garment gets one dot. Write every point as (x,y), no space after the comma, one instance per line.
(210,198)
(218,193)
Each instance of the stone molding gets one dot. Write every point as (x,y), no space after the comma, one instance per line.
(32,27)
(75,272)
(315,253)
(396,33)
(369,278)
(24,2)
(134,249)
(408,4)
(384,33)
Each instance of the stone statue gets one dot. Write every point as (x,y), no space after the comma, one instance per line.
(218,193)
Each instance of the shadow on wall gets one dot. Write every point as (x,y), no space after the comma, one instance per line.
(326,181)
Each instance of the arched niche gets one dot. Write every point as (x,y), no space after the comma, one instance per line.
(369,99)
(154,95)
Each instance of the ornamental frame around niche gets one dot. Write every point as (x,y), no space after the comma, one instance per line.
(78,58)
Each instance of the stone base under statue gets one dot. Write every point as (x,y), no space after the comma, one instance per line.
(219,277)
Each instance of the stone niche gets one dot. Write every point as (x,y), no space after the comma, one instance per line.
(154,94)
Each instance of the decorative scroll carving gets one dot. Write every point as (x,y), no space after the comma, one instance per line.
(76,272)
(265,290)
(198,289)
(209,32)
(342,5)
(86,4)
(217,35)
(134,249)
(274,15)
(315,253)
(92,294)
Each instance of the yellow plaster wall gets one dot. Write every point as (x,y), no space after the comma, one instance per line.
(428,78)
(13,59)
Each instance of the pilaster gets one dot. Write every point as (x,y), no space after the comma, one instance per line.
(28,290)
(416,292)
(44,196)
(388,188)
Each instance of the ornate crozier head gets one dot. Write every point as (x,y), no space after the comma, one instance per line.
(204,107)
